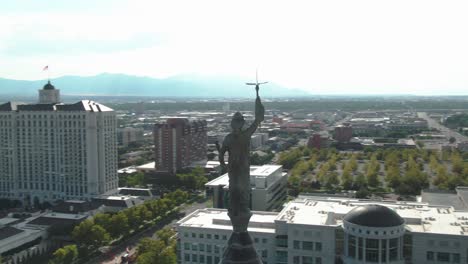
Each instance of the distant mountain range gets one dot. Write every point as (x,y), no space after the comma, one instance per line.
(128,85)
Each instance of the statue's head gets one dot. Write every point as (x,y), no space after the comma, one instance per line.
(237,121)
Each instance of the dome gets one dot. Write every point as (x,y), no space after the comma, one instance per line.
(48,86)
(374,216)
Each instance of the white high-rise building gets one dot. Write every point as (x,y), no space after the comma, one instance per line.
(51,151)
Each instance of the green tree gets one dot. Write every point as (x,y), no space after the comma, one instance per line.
(360,182)
(441,178)
(103,220)
(118,225)
(88,234)
(393,177)
(347,180)
(136,179)
(155,251)
(331,180)
(65,255)
(165,235)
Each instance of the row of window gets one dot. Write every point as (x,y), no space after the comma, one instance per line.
(307,245)
(307,260)
(195,258)
(443,257)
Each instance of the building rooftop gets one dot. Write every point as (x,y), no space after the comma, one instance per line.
(418,217)
(6,232)
(255,171)
(263,222)
(374,215)
(443,198)
(84,105)
(147,166)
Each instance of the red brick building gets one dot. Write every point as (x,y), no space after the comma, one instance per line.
(318,141)
(178,142)
(343,133)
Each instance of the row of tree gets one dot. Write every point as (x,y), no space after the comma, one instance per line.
(161,250)
(103,228)
(403,170)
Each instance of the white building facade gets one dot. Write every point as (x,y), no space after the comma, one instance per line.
(268,190)
(325,230)
(54,151)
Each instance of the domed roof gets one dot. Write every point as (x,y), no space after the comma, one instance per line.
(48,86)
(374,216)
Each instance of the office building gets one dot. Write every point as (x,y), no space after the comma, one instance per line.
(128,135)
(268,186)
(329,230)
(51,151)
(179,142)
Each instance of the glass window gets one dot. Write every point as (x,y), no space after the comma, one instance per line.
(200,236)
(429,255)
(202,247)
(194,247)
(224,237)
(351,246)
(318,246)
(456,258)
(187,246)
(282,256)
(264,240)
(372,250)
(208,248)
(296,260)
(383,250)
(202,258)
(208,236)
(194,258)
(282,241)
(194,235)
(306,245)
(297,244)
(318,260)
(393,251)
(443,256)
(209,260)
(307,260)
(360,248)
(187,257)
(216,236)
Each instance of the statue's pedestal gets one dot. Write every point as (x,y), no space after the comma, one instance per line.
(240,250)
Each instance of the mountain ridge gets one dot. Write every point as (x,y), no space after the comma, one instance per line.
(117,84)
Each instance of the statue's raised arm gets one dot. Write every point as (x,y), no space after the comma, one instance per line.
(259,113)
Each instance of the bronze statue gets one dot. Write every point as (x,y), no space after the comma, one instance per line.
(237,143)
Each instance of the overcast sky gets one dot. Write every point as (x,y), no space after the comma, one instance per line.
(325,47)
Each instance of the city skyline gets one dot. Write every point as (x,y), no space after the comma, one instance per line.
(363,47)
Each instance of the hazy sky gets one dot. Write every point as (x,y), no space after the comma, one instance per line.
(325,47)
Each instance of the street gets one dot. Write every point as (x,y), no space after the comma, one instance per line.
(443,129)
